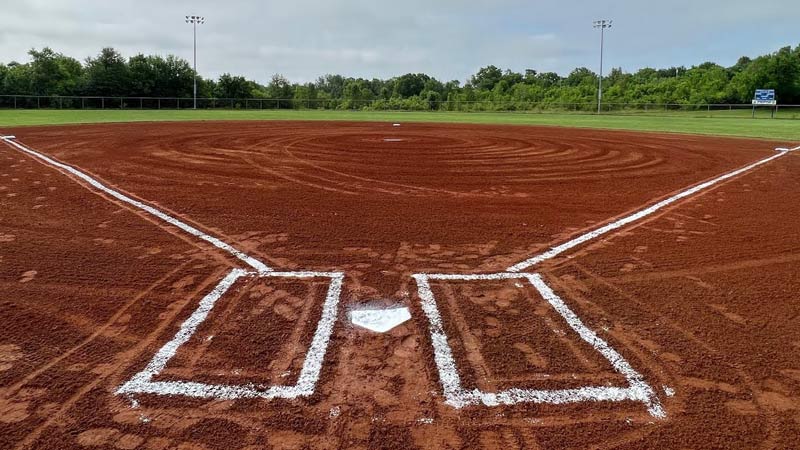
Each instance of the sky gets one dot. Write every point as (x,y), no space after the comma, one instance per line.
(448,39)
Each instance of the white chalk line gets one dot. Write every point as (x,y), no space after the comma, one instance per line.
(559,249)
(250,261)
(142,383)
(456,396)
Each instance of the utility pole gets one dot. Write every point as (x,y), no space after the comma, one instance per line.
(194,20)
(602,25)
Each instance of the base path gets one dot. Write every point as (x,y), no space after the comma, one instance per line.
(659,260)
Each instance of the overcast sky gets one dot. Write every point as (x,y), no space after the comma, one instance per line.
(449,39)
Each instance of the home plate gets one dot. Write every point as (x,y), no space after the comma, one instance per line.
(392,140)
(379,320)
(395,124)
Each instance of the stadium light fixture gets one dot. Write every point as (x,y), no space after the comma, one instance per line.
(195,20)
(602,25)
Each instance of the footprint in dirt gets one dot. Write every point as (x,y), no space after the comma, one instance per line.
(28,276)
(13,412)
(9,354)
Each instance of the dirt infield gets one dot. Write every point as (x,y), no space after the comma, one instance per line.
(696,301)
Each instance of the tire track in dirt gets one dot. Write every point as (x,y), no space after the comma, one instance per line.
(133,354)
(749,382)
(101,330)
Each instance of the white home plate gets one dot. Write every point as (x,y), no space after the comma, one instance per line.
(392,140)
(395,124)
(379,320)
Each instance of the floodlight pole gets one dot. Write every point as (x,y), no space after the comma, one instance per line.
(194,20)
(602,25)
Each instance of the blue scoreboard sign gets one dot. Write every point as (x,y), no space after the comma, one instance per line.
(764,97)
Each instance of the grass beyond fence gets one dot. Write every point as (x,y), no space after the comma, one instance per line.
(677,122)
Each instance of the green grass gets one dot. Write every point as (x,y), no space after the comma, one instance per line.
(675,122)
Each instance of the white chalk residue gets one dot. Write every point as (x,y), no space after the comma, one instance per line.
(379,320)
(142,383)
(559,249)
(456,396)
(252,262)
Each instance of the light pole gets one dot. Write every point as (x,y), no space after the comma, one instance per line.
(602,25)
(194,20)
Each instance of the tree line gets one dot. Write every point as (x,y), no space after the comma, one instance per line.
(110,74)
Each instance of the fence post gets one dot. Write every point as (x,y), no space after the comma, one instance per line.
(141,103)
(15,102)
(38,103)
(102,103)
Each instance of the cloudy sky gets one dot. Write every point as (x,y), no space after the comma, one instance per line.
(449,39)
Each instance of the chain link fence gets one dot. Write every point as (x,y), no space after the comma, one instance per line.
(409,104)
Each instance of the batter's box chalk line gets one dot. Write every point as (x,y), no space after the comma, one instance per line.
(455,395)
(142,382)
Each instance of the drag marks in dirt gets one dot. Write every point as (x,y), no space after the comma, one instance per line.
(617,401)
(559,249)
(252,262)
(142,382)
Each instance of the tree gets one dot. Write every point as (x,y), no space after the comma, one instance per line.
(17,80)
(230,86)
(410,85)
(486,78)
(581,76)
(155,76)
(280,87)
(52,73)
(107,74)
(332,85)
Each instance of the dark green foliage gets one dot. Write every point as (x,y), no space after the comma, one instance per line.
(109,74)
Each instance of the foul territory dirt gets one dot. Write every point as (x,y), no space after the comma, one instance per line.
(700,298)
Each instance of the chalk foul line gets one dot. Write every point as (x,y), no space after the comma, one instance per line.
(559,249)
(455,395)
(250,261)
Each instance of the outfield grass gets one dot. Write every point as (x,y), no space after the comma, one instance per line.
(687,122)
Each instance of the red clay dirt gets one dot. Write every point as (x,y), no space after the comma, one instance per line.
(700,298)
